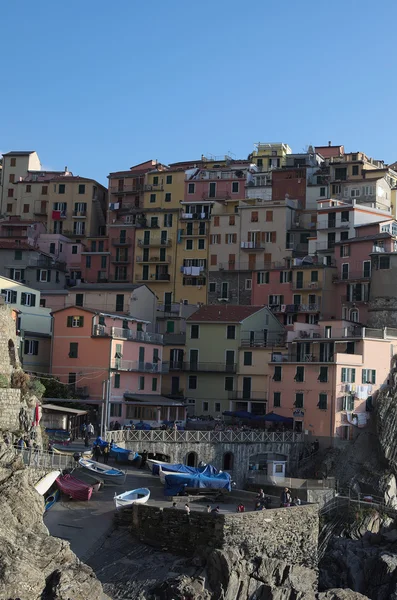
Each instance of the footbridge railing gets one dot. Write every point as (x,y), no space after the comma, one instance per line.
(211,437)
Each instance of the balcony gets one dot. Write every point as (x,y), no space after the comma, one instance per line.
(351,276)
(354,300)
(121,241)
(121,260)
(154,188)
(247,396)
(127,334)
(333,224)
(126,189)
(139,367)
(195,216)
(306,285)
(261,341)
(156,242)
(161,278)
(153,259)
(253,245)
(44,263)
(174,338)
(176,365)
(40,210)
(79,214)
(196,233)
(195,367)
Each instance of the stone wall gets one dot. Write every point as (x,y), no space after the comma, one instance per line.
(213,453)
(237,292)
(10,405)
(286,534)
(382,310)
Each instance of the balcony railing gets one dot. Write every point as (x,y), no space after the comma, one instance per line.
(138,366)
(43,263)
(126,188)
(354,299)
(154,188)
(162,277)
(195,216)
(142,243)
(127,334)
(351,276)
(121,241)
(210,367)
(306,285)
(174,338)
(261,341)
(153,259)
(333,224)
(247,395)
(120,260)
(79,213)
(81,392)
(352,331)
(253,245)
(207,437)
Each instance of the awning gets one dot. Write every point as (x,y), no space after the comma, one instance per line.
(150,400)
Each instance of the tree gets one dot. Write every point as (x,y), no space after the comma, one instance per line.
(55,389)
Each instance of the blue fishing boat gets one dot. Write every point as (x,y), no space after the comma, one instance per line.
(107,474)
(122,454)
(139,496)
(51,499)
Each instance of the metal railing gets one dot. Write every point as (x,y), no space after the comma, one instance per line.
(125,188)
(138,366)
(153,259)
(138,336)
(154,242)
(212,437)
(208,367)
(247,396)
(46,460)
(351,275)
(121,241)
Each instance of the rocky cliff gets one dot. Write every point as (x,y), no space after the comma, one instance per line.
(33,565)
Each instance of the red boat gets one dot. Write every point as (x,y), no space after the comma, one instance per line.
(74,488)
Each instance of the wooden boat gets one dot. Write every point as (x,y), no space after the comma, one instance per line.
(51,499)
(122,454)
(46,482)
(69,451)
(154,465)
(74,488)
(138,496)
(107,474)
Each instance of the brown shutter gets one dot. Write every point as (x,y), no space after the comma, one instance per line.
(214,259)
(267,259)
(263,236)
(216,221)
(274,236)
(269,215)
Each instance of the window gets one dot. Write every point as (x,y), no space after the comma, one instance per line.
(354,192)
(215,238)
(340,173)
(154,384)
(74,249)
(31,347)
(231,332)
(194,332)
(9,207)
(88,261)
(300,374)
(368,376)
(213,260)
(103,262)
(262,277)
(323,375)
(168,220)
(269,215)
(216,221)
(248,284)
(247,359)
(152,198)
(168,179)
(26,208)
(348,375)
(344,216)
(192,382)
(155,180)
(235,187)
(212,285)
(81,188)
(314,276)
(277,373)
(232,220)
(322,192)
(141,384)
(384,262)
(229,384)
(10,296)
(115,409)
(276,399)
(348,402)
(201,244)
(191,188)
(119,302)
(322,401)
(355,170)
(254,216)
(168,197)
(73,350)
(344,235)
(298,400)
(18,255)
(61,188)
(345,250)
(13,162)
(52,248)
(366,268)
(285,277)
(43,276)
(345,271)
(189,245)
(230,238)
(28,299)
(217,406)
(79,300)
(205,406)
(336,189)
(44,190)
(212,190)
(75,321)
(10,193)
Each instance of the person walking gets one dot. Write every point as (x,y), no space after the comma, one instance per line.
(106,452)
(187,509)
(97,453)
(86,440)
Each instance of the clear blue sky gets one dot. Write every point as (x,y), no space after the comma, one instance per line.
(99,86)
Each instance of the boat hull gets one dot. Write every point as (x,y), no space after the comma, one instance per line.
(108,475)
(46,482)
(138,496)
(154,465)
(50,501)
(74,488)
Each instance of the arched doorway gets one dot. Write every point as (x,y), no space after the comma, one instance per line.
(191,459)
(11,353)
(228,459)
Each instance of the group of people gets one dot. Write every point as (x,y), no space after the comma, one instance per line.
(208,509)
(98,452)
(87,430)
(288,500)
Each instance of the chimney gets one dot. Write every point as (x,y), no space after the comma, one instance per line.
(329,143)
(66,169)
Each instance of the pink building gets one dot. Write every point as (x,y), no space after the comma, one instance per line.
(353,261)
(226,183)
(15,228)
(95,260)
(328,379)
(65,250)
(100,354)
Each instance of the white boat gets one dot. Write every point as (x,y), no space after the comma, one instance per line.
(107,474)
(155,463)
(46,482)
(163,472)
(138,496)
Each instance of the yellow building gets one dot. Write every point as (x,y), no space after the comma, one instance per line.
(269,155)
(157,232)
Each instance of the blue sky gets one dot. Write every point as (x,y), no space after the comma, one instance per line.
(99,86)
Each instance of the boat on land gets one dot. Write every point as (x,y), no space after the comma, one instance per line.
(51,499)
(44,484)
(122,454)
(138,496)
(69,451)
(107,474)
(154,465)
(74,488)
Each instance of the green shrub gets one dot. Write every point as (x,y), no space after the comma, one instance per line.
(4,381)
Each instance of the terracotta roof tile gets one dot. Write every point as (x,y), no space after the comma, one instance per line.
(223,313)
(17,246)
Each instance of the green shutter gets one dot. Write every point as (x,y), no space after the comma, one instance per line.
(353,375)
(23,300)
(154,384)
(32,300)
(48,276)
(117,380)
(81,322)
(38,275)
(69,321)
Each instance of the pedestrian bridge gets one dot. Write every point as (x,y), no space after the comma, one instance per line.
(205,437)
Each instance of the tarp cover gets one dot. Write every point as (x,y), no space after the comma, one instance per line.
(176,483)
(100,442)
(122,454)
(208,470)
(74,487)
